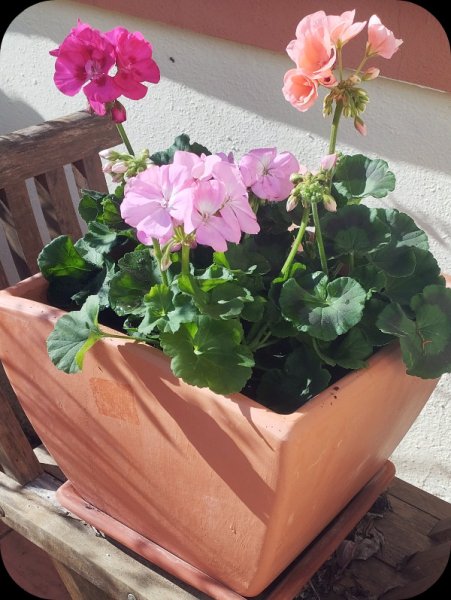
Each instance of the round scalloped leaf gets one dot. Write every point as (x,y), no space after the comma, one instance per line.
(425,340)
(208,353)
(330,310)
(302,377)
(73,335)
(354,230)
(426,272)
(395,261)
(404,231)
(358,176)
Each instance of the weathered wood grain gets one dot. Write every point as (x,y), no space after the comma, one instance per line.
(29,152)
(33,512)
(57,205)
(16,454)
(89,175)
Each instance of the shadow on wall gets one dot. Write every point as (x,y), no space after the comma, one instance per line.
(16,114)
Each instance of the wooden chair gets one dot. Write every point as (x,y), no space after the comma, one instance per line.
(41,169)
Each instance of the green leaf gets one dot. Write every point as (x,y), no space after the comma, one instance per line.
(253,311)
(329,310)
(425,339)
(367,324)
(184,311)
(370,278)
(181,142)
(358,176)
(354,230)
(243,257)
(302,377)
(73,335)
(158,304)
(100,237)
(349,351)
(137,273)
(395,261)
(209,353)
(404,231)
(90,205)
(60,258)
(426,272)
(99,285)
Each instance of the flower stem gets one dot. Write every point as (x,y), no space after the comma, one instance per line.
(124,138)
(297,242)
(159,256)
(185,259)
(334,128)
(319,238)
(364,59)
(340,62)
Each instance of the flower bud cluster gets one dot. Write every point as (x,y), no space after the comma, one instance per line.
(353,99)
(122,166)
(310,188)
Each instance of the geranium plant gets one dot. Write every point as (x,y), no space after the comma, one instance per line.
(254,274)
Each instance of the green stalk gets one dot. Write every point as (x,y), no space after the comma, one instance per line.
(340,62)
(297,242)
(185,259)
(334,128)
(124,138)
(319,238)
(159,256)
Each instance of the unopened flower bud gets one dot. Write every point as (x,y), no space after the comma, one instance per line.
(120,166)
(118,113)
(371,73)
(296,178)
(292,202)
(354,79)
(329,203)
(328,162)
(109,154)
(360,126)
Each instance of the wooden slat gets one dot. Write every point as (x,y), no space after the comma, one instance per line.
(65,140)
(57,205)
(89,175)
(441,532)
(16,455)
(3,279)
(78,587)
(25,223)
(9,228)
(33,512)
(420,499)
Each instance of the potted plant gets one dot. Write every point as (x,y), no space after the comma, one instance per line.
(259,340)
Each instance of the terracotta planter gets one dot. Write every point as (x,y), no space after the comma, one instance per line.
(229,486)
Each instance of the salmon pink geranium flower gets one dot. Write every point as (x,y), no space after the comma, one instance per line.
(381,41)
(300,91)
(342,27)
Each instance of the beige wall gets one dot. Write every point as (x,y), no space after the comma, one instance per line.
(228,96)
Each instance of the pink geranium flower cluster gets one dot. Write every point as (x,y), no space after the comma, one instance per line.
(205,198)
(319,39)
(106,66)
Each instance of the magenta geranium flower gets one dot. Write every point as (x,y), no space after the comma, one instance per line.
(86,57)
(86,60)
(267,173)
(157,200)
(134,62)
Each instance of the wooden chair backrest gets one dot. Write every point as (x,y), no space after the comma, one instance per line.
(41,169)
(38,167)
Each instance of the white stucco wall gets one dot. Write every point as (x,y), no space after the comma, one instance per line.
(228,97)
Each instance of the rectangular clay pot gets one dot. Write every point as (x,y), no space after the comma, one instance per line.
(222,482)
